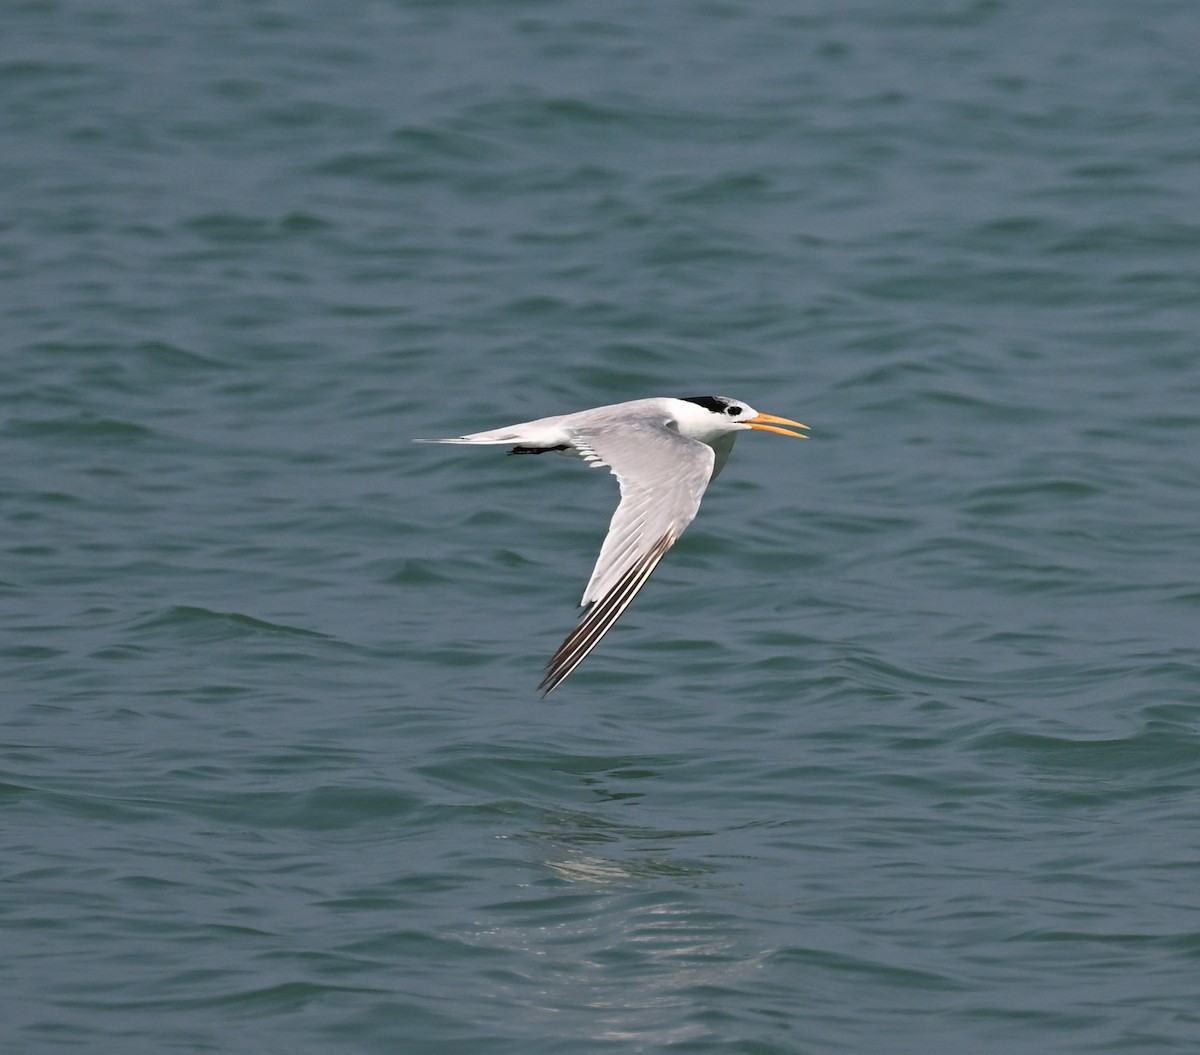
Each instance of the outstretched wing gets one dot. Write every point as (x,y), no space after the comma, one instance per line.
(662,476)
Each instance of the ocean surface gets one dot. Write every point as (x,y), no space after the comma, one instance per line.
(898,752)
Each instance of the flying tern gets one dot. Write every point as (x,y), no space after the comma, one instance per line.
(663,452)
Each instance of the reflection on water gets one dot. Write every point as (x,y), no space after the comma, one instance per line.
(618,945)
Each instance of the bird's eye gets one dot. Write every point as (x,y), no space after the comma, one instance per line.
(733,412)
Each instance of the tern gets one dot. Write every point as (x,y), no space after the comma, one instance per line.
(663,452)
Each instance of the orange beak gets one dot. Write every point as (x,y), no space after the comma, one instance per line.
(770,423)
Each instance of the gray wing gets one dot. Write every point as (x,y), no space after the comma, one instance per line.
(662,476)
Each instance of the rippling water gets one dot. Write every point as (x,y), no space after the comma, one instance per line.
(899,751)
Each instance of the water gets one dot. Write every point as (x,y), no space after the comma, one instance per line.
(899,750)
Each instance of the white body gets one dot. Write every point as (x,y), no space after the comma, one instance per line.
(676,415)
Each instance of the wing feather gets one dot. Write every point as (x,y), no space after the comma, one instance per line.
(662,476)
(601,616)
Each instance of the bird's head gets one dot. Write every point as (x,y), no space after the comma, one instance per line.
(722,414)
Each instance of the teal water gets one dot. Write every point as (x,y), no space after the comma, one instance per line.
(900,749)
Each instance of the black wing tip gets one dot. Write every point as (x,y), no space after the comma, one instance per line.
(557,667)
(601,616)
(522,449)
